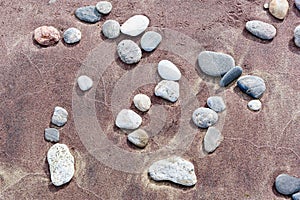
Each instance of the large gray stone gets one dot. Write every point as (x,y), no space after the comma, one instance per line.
(135,25)
(128,119)
(261,29)
(88,14)
(212,139)
(254,86)
(287,185)
(150,40)
(204,117)
(168,90)
(129,52)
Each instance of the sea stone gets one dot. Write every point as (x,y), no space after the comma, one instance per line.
(230,76)
(168,71)
(60,116)
(52,134)
(168,90)
(61,164)
(129,52)
(212,139)
(297,3)
(214,63)
(287,185)
(142,102)
(297,36)
(88,14)
(72,35)
(254,86)
(150,40)
(279,8)
(135,25)
(46,35)
(261,29)
(139,138)
(128,119)
(104,7)
(111,29)
(254,105)
(84,82)
(216,103)
(174,169)
(296,196)
(204,117)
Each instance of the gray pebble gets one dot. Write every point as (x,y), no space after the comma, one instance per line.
(88,14)
(129,52)
(104,7)
(84,82)
(204,117)
(254,105)
(230,76)
(297,3)
(216,103)
(60,116)
(139,138)
(142,102)
(287,185)
(212,139)
(150,40)
(111,29)
(296,196)
(52,134)
(135,25)
(72,35)
(128,119)
(168,90)
(254,86)
(297,36)
(168,71)
(261,29)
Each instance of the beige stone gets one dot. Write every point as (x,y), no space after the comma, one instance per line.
(46,35)
(279,8)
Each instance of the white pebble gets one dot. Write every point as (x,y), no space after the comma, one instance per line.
(135,25)
(168,71)
(60,116)
(142,102)
(212,139)
(168,90)
(128,119)
(254,105)
(85,83)
(104,7)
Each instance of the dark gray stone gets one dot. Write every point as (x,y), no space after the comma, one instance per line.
(150,40)
(72,35)
(287,185)
(111,29)
(216,103)
(261,29)
(254,86)
(231,75)
(52,134)
(204,117)
(129,52)
(88,14)
(296,196)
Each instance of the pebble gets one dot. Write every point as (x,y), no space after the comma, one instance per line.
(204,117)
(104,7)
(266,6)
(214,63)
(46,35)
(61,164)
(139,138)
(216,103)
(212,139)
(230,76)
(111,29)
(84,82)
(142,102)
(150,41)
(254,86)
(128,119)
(296,196)
(168,90)
(297,3)
(261,29)
(60,116)
(279,8)
(254,105)
(168,71)
(129,52)
(297,36)
(52,134)
(174,169)
(135,25)
(287,185)
(72,35)
(88,14)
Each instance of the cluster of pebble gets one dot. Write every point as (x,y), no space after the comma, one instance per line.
(288,185)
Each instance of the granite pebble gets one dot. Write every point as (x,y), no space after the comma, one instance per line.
(88,14)
(168,71)
(254,105)
(204,117)
(212,139)
(60,116)
(216,103)
(279,8)
(128,119)
(104,7)
(230,76)
(111,29)
(129,52)
(51,134)
(254,86)
(297,36)
(287,185)
(72,35)
(84,82)
(261,29)
(46,35)
(135,25)
(150,41)
(142,102)
(139,138)
(168,90)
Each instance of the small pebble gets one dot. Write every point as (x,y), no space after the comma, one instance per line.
(287,185)
(60,116)
(168,71)
(129,52)
(128,119)
(84,82)
(254,86)
(174,169)
(266,6)
(216,103)
(279,8)
(150,41)
(296,196)
(142,102)
(230,76)
(261,29)
(88,14)
(168,90)
(254,105)
(204,117)
(297,36)
(135,25)
(297,3)
(111,29)
(72,35)
(46,35)
(139,138)
(52,134)
(214,63)
(104,7)
(212,139)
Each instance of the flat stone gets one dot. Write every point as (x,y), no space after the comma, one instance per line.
(168,90)
(214,63)
(287,185)
(60,116)
(150,41)
(135,25)
(216,103)
(72,35)
(61,164)
(142,102)
(296,196)
(261,29)
(254,86)
(88,14)
(128,119)
(212,139)
(104,7)
(111,29)
(139,138)
(84,82)
(297,3)
(230,76)
(52,134)
(204,117)
(174,169)
(254,105)
(297,36)
(129,52)
(168,71)
(279,8)
(46,35)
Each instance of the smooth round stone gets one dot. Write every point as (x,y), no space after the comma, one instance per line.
(168,90)
(142,102)
(111,29)
(297,3)
(216,103)
(261,29)
(214,63)
(72,35)
(254,86)
(204,117)
(84,82)
(104,7)
(297,36)
(129,52)
(150,41)
(279,8)
(52,134)
(139,138)
(287,185)
(296,196)
(135,25)
(254,105)
(168,71)
(46,35)
(212,139)
(128,119)
(266,5)
(60,116)
(174,169)
(230,76)
(88,14)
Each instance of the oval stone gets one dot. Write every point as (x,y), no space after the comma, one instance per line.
(287,185)
(230,76)
(84,82)
(216,103)
(135,25)
(72,35)
(279,8)
(254,86)
(297,36)
(142,102)
(168,90)
(204,117)
(129,52)
(104,7)
(254,105)
(139,138)
(88,14)
(168,71)
(150,41)
(128,119)
(212,139)
(46,35)
(111,29)
(261,29)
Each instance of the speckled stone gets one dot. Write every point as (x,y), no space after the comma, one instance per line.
(60,116)
(204,117)
(168,71)
(216,103)
(142,102)
(254,105)
(254,86)
(88,14)
(150,41)
(111,29)
(139,138)
(287,185)
(46,35)
(104,7)
(135,25)
(279,8)
(230,76)
(297,36)
(84,82)
(261,29)
(72,35)
(128,119)
(51,134)
(129,52)
(168,90)
(212,139)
